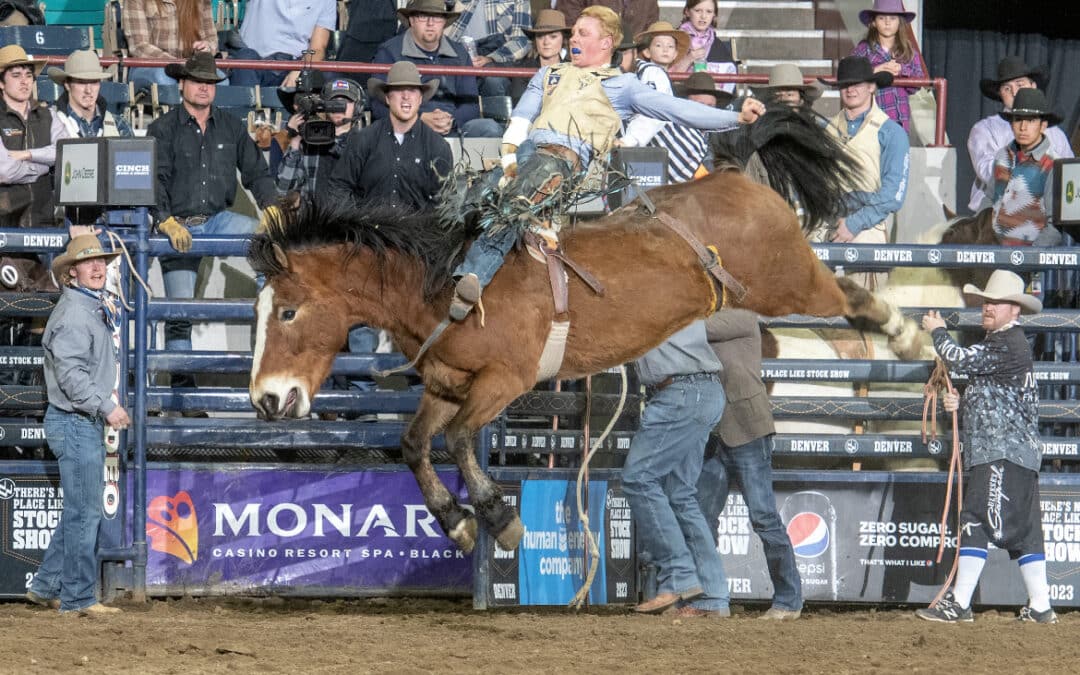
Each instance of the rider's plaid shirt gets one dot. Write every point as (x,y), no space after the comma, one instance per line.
(507,18)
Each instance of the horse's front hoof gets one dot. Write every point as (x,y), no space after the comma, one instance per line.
(464,534)
(511,535)
(907,344)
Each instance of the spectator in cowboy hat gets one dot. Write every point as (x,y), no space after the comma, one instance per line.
(1022,187)
(81,107)
(992,133)
(200,149)
(701,87)
(549,35)
(889,49)
(788,86)
(881,146)
(29,135)
(80,375)
(376,165)
(455,106)
(659,46)
(663,44)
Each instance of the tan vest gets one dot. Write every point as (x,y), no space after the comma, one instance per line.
(864,145)
(575,104)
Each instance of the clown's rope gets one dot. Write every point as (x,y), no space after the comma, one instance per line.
(583,515)
(939,379)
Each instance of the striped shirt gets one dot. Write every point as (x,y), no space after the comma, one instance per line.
(686,147)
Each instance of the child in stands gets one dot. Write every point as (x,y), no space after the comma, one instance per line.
(889,47)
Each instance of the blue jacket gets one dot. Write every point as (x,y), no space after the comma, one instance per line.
(457,95)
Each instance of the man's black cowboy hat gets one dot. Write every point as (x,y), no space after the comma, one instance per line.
(856,69)
(1031,103)
(1010,68)
(702,83)
(199,67)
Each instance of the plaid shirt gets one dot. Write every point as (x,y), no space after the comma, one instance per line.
(155,34)
(893,100)
(507,18)
(300,170)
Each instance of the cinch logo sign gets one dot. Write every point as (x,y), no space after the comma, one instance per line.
(172,526)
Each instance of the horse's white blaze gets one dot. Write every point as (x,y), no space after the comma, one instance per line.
(263,307)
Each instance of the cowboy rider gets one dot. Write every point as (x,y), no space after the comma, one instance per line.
(575,111)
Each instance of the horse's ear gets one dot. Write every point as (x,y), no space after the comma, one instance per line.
(279,255)
(949,213)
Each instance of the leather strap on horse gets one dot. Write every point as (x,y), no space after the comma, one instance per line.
(559,255)
(709,259)
(435,335)
(939,379)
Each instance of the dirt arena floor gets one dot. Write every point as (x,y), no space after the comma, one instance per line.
(419,636)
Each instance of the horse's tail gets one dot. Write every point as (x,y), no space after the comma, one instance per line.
(803,161)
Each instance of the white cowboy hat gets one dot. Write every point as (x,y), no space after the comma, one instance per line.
(1005,286)
(82,64)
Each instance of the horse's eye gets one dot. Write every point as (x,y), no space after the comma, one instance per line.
(288,314)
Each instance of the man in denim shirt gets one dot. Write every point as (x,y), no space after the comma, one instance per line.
(662,469)
(80,373)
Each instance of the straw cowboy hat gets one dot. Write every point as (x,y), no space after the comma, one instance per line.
(438,7)
(82,247)
(82,64)
(402,74)
(788,76)
(682,38)
(14,55)
(856,69)
(199,67)
(1031,103)
(1005,286)
(1010,68)
(548,21)
(702,83)
(886,7)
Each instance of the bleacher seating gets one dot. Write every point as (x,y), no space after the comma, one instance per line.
(48,40)
(47,91)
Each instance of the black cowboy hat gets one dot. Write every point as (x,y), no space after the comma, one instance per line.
(200,67)
(703,83)
(309,82)
(856,69)
(1031,103)
(1010,68)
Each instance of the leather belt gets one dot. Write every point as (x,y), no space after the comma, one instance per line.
(563,153)
(193,220)
(663,384)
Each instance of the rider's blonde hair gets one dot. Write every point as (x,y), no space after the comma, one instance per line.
(610,24)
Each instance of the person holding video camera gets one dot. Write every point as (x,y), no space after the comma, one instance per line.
(317,134)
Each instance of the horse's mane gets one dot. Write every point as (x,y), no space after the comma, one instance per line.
(801,158)
(374,226)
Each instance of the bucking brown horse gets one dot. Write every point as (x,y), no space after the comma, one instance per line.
(328,269)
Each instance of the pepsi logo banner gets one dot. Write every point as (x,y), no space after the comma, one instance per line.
(874,538)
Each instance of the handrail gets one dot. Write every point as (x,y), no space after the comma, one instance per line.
(938,84)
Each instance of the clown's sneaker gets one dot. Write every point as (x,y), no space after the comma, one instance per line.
(947,610)
(1027,614)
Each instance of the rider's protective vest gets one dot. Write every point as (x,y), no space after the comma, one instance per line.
(575,104)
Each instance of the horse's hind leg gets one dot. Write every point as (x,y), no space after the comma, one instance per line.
(431,416)
(903,332)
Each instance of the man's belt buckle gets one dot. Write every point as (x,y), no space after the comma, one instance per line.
(194,220)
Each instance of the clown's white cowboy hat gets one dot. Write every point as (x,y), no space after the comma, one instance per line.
(82,64)
(402,74)
(1005,286)
(14,55)
(82,247)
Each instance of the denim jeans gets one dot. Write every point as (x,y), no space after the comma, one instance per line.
(660,482)
(482,127)
(69,570)
(750,465)
(263,78)
(180,274)
(485,255)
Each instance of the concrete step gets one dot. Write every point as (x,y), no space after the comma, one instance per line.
(807,66)
(775,44)
(779,14)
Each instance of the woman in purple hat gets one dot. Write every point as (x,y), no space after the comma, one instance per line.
(889,48)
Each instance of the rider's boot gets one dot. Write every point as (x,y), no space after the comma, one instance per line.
(466,295)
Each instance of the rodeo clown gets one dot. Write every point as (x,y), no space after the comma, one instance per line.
(1000,420)
(575,111)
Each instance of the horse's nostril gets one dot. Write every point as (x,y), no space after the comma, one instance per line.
(269,404)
